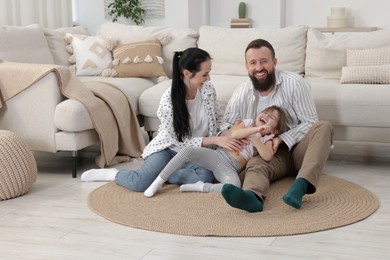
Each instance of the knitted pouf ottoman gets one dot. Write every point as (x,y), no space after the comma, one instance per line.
(18,169)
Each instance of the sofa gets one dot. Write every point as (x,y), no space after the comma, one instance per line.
(348,74)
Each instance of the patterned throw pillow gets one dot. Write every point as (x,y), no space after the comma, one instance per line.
(366,74)
(91,55)
(139,59)
(367,66)
(368,57)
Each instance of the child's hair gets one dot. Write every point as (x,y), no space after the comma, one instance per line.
(282,123)
(190,59)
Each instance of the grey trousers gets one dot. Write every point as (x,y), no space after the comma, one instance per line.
(224,167)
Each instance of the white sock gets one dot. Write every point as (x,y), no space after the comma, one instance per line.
(99,175)
(154,187)
(193,187)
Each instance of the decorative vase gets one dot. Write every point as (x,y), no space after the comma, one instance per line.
(337,19)
(242,10)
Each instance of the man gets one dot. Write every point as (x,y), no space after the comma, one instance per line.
(302,150)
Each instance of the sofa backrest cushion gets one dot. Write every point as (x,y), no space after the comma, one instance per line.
(57,45)
(178,39)
(26,44)
(227,47)
(326,53)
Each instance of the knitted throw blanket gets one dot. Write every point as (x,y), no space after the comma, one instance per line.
(115,122)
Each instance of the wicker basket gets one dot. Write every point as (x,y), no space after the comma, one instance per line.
(18,169)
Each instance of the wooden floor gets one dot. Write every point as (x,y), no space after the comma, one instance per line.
(53,221)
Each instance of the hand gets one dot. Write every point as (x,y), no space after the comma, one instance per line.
(230,143)
(264,130)
(276,142)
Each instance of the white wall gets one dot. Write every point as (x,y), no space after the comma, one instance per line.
(368,13)
(264,13)
(90,13)
(372,13)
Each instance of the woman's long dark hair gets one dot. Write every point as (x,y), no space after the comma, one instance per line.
(190,59)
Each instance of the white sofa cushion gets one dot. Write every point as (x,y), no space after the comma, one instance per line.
(24,44)
(131,87)
(326,54)
(351,105)
(180,38)
(225,85)
(227,47)
(150,99)
(71,115)
(57,45)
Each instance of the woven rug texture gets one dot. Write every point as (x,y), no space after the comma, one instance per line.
(336,203)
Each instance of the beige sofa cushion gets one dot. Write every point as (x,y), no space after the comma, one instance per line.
(326,54)
(139,59)
(25,44)
(177,39)
(57,45)
(227,47)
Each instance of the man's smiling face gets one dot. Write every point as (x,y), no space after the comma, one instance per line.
(261,68)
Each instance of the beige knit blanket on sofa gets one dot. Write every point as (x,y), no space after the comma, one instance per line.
(115,122)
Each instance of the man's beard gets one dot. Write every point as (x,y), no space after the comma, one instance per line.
(266,84)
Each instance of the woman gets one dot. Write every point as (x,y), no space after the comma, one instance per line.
(189,116)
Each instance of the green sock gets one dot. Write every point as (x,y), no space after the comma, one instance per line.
(294,195)
(241,199)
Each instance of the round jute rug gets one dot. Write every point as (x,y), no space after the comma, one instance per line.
(336,203)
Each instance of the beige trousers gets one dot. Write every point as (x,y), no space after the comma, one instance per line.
(305,160)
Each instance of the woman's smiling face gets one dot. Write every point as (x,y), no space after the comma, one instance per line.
(203,75)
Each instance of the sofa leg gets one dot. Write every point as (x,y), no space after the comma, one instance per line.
(74,164)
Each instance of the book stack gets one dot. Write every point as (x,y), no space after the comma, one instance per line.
(241,23)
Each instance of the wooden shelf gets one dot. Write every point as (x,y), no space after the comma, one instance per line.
(346,29)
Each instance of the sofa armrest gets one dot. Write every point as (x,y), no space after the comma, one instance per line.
(30,114)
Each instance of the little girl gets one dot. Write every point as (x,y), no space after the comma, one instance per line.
(226,164)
